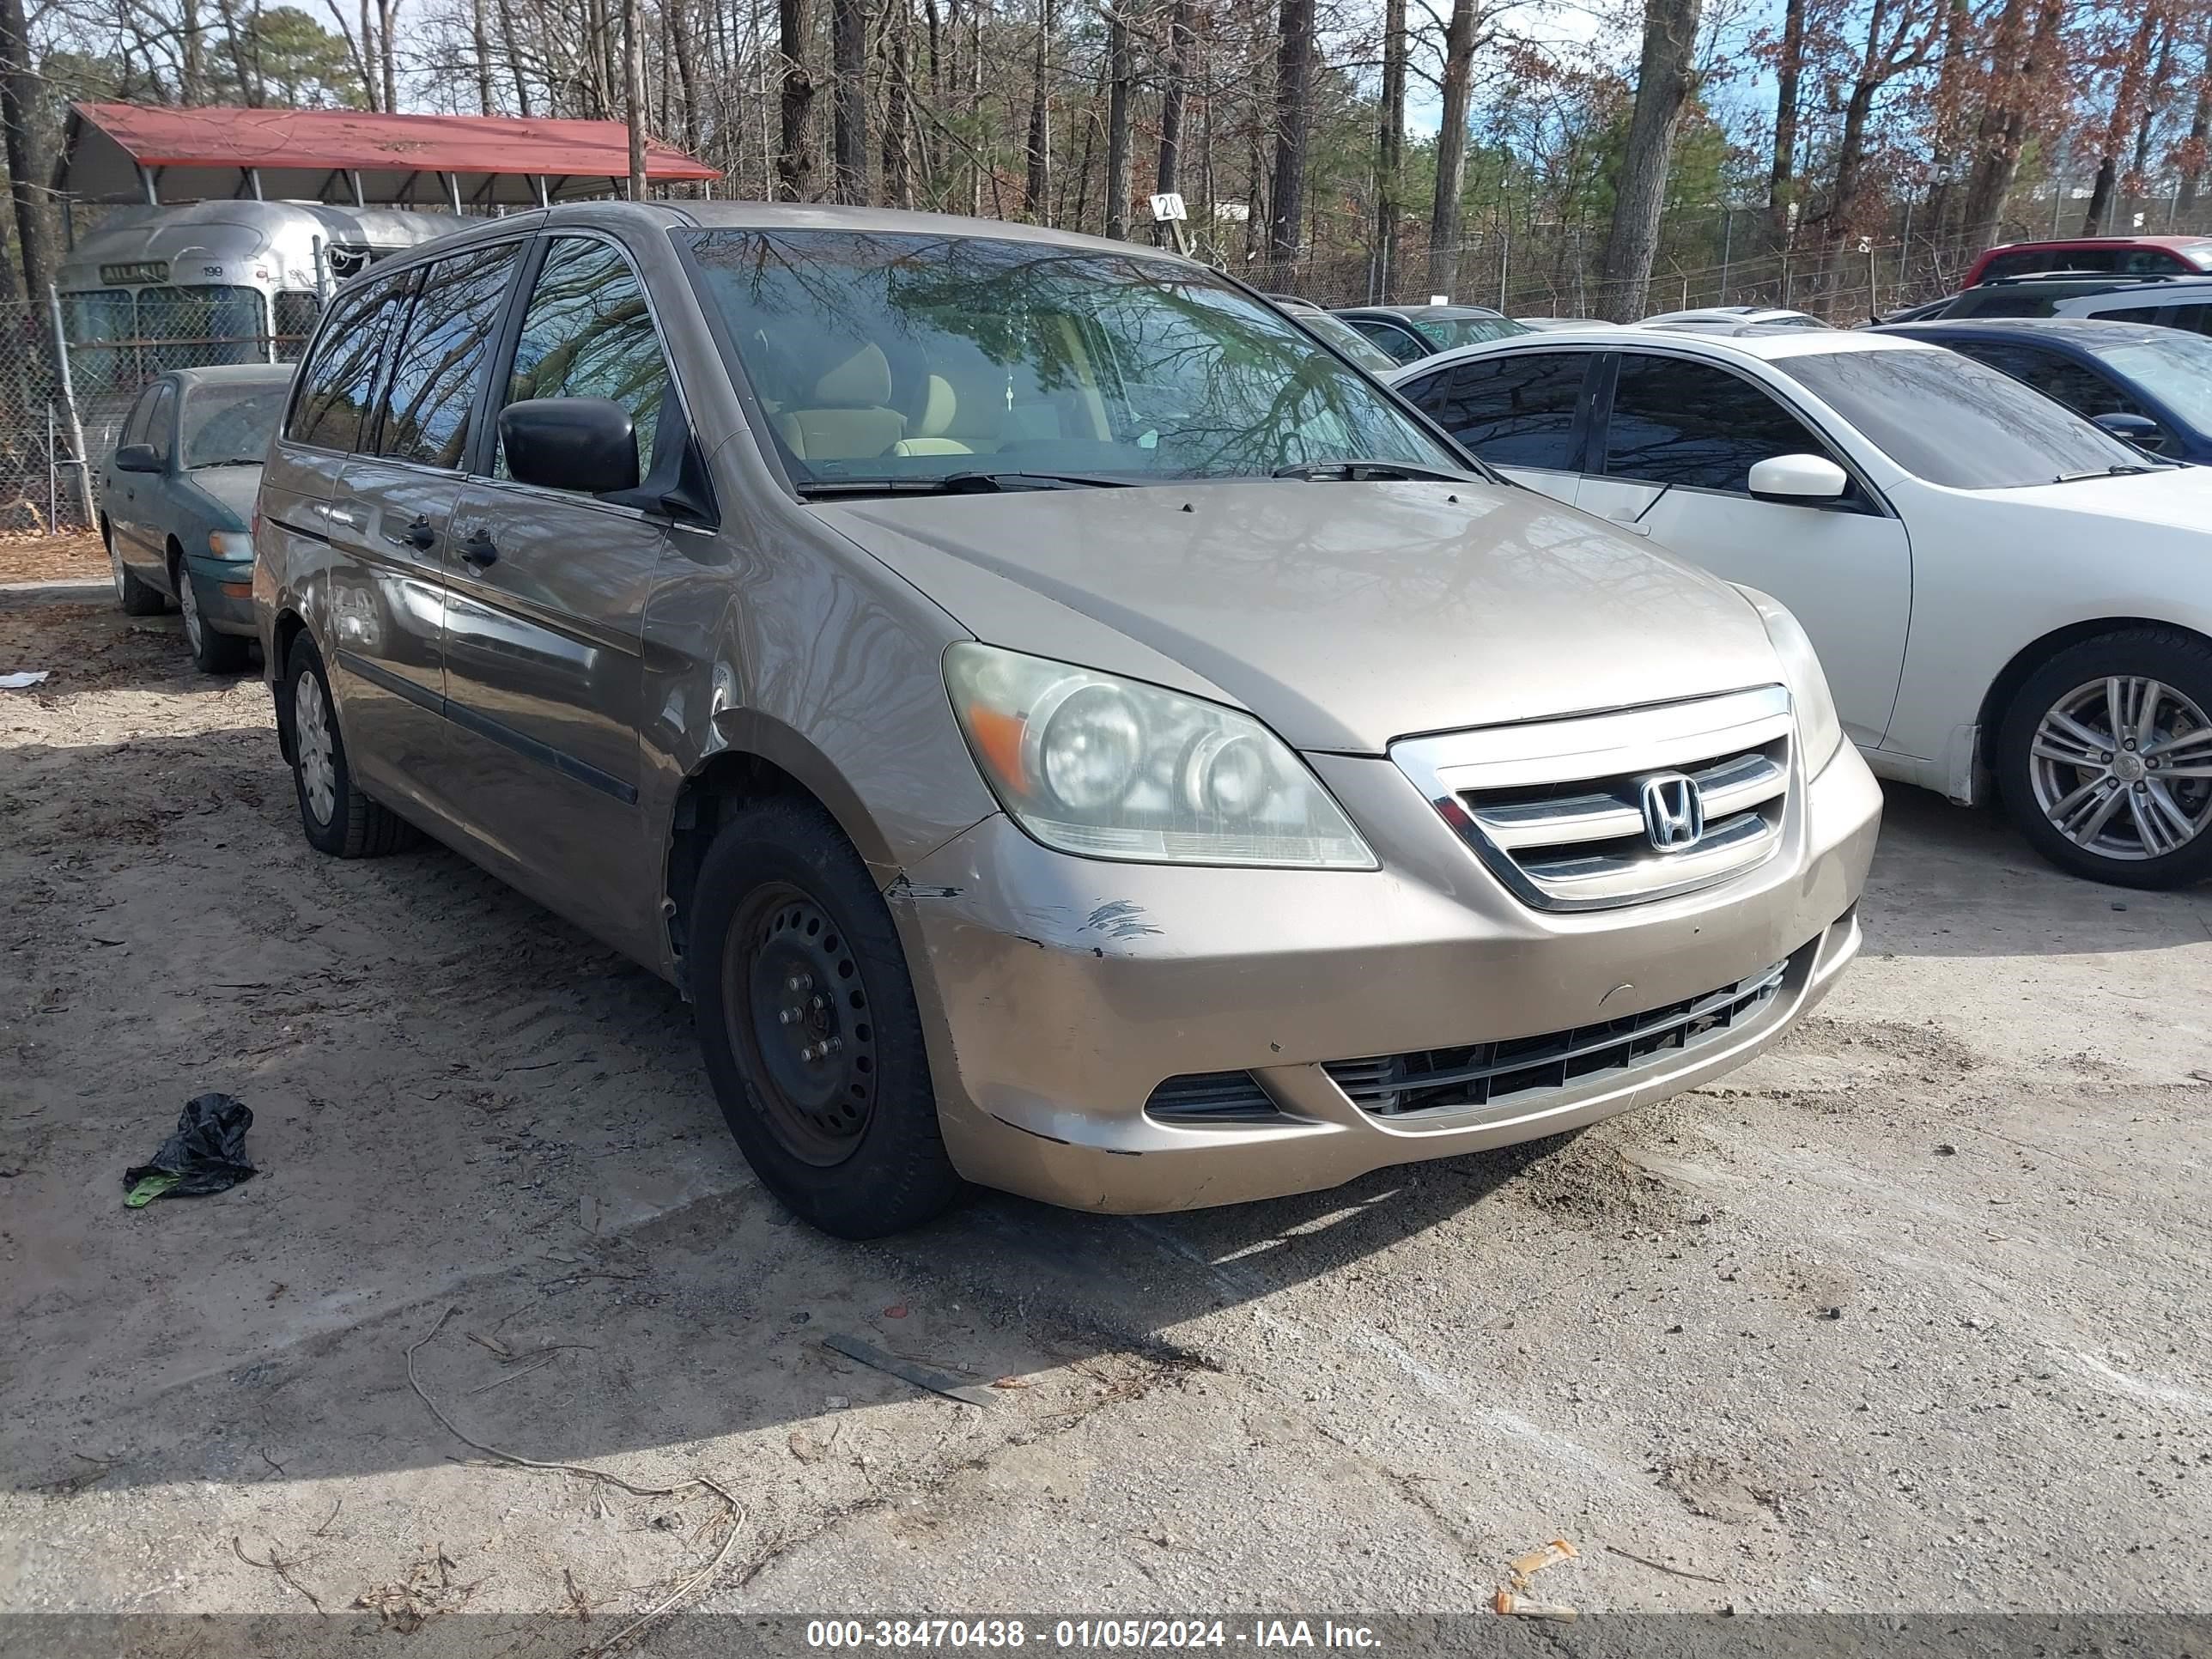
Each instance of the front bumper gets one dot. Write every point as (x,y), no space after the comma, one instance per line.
(225,591)
(1058,992)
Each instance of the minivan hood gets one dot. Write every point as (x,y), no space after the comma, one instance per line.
(1344,615)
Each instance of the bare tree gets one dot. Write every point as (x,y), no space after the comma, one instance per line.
(1781,180)
(848,51)
(794,155)
(1389,150)
(1293,130)
(1663,89)
(1458,86)
(1121,96)
(29,160)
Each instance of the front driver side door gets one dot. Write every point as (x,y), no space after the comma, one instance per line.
(1678,443)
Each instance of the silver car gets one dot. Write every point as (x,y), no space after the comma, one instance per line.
(1061,727)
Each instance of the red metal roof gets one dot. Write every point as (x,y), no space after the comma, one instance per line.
(200,147)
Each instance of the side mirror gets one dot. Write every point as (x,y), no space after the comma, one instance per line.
(1802,480)
(583,444)
(2140,431)
(136,458)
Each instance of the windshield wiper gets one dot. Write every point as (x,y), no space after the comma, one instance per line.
(1370,472)
(2118,470)
(231,461)
(960,483)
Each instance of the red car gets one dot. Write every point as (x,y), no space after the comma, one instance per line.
(2124,256)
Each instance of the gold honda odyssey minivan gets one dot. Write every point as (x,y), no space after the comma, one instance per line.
(1061,726)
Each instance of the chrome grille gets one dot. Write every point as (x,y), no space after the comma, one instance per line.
(1491,1073)
(1555,808)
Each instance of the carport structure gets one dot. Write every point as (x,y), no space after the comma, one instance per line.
(142,153)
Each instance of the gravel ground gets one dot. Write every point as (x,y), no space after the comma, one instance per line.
(1908,1314)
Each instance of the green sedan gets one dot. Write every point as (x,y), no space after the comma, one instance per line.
(176,502)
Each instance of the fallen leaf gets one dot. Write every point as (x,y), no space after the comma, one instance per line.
(1011,1382)
(803,1449)
(897,1311)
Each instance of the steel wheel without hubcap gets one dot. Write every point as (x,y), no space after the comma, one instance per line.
(115,564)
(2122,767)
(311,740)
(798,1017)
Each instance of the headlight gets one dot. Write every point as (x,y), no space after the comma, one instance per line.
(1114,768)
(230,544)
(1819,732)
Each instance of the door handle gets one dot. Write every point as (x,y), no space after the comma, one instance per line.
(339,515)
(477,549)
(419,535)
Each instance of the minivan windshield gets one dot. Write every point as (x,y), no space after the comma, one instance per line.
(901,358)
(1961,423)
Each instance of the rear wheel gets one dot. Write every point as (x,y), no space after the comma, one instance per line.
(212,652)
(136,598)
(338,818)
(807,1019)
(2106,758)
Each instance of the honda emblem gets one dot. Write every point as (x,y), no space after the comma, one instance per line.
(1674,812)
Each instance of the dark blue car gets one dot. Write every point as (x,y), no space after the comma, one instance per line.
(2147,384)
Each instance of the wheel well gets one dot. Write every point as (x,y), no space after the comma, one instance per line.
(2034,655)
(289,626)
(176,561)
(726,781)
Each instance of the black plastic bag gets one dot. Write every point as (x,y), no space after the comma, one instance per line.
(207,1154)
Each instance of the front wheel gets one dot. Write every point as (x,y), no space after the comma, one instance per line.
(2105,758)
(807,1019)
(212,652)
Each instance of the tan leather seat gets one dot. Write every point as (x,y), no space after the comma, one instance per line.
(846,417)
(961,414)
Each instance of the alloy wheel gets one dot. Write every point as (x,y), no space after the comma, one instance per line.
(312,742)
(2122,767)
(798,1017)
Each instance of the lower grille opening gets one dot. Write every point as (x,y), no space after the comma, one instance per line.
(1210,1097)
(1486,1073)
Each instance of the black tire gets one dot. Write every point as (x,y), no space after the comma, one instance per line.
(212,652)
(2120,854)
(848,1141)
(347,824)
(136,598)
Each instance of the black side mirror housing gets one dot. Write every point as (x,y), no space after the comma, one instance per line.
(583,444)
(136,458)
(2140,431)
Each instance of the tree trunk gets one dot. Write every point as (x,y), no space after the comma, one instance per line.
(2192,149)
(1781,172)
(1389,151)
(678,13)
(388,52)
(1851,148)
(1037,184)
(513,58)
(794,153)
(480,41)
(30,163)
(192,54)
(633,44)
(1293,128)
(848,47)
(898,96)
(1451,148)
(368,54)
(1174,93)
(1664,78)
(1120,94)
(2125,101)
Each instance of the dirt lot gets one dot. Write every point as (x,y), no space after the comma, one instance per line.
(77,556)
(1910,1314)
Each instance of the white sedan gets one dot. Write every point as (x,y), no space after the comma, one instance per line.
(1996,587)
